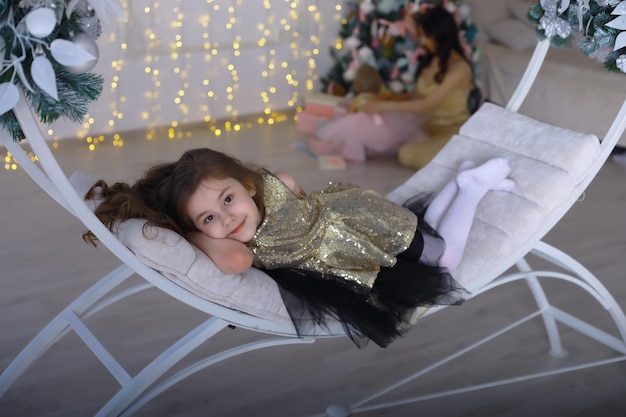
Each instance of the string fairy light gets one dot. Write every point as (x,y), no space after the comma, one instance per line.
(194,68)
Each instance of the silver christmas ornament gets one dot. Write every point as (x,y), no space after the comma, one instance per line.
(85,42)
(89,23)
(551,23)
(621,62)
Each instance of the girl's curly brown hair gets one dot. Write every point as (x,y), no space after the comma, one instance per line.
(161,195)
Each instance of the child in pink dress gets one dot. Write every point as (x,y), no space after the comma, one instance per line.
(360,135)
(415,125)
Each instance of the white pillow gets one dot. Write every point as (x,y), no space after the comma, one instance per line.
(548,162)
(166,251)
(512,33)
(169,253)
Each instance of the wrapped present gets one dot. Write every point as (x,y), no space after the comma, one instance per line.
(325,105)
(322,98)
(308,122)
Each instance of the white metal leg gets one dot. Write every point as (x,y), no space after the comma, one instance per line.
(133,387)
(60,325)
(556,347)
(209,361)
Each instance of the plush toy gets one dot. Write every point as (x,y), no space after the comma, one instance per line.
(367,85)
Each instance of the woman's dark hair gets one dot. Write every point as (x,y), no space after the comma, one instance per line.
(162,194)
(439,24)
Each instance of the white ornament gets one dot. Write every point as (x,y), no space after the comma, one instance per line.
(365,54)
(618,23)
(41,22)
(367,7)
(349,74)
(42,72)
(621,62)
(396,86)
(407,77)
(620,9)
(78,55)
(551,23)
(620,41)
(352,42)
(8,97)
(17,64)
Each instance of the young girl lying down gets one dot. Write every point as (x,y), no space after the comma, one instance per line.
(343,252)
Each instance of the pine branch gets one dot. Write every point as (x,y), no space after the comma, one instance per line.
(9,122)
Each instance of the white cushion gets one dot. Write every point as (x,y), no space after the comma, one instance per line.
(547,163)
(252,292)
(511,33)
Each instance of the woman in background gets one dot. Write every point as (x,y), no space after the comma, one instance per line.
(442,90)
(415,125)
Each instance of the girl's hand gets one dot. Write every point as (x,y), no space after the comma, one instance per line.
(385,96)
(353,107)
(375,106)
(229,255)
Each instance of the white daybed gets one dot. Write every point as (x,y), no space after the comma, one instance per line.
(552,167)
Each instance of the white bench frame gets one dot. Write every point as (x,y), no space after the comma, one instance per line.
(135,391)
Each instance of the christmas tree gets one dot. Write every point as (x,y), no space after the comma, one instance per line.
(381,33)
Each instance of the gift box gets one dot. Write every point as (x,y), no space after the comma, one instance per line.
(322,98)
(308,122)
(324,105)
(318,109)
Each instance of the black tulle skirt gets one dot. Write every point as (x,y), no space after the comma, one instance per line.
(381,314)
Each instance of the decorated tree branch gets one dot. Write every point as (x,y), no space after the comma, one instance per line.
(381,33)
(47,49)
(598,27)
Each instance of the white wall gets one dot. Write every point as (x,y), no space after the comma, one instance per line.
(182,61)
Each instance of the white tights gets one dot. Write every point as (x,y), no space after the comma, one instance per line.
(451,213)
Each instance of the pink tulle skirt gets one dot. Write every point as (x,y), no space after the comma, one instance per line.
(358,136)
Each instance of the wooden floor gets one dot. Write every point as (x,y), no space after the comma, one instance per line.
(44,264)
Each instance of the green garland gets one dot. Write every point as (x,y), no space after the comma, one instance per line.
(589,23)
(75,91)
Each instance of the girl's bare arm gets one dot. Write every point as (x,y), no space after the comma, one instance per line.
(458,75)
(290,183)
(229,255)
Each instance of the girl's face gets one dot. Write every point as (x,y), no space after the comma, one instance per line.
(224,208)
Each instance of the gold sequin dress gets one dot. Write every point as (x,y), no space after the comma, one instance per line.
(342,251)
